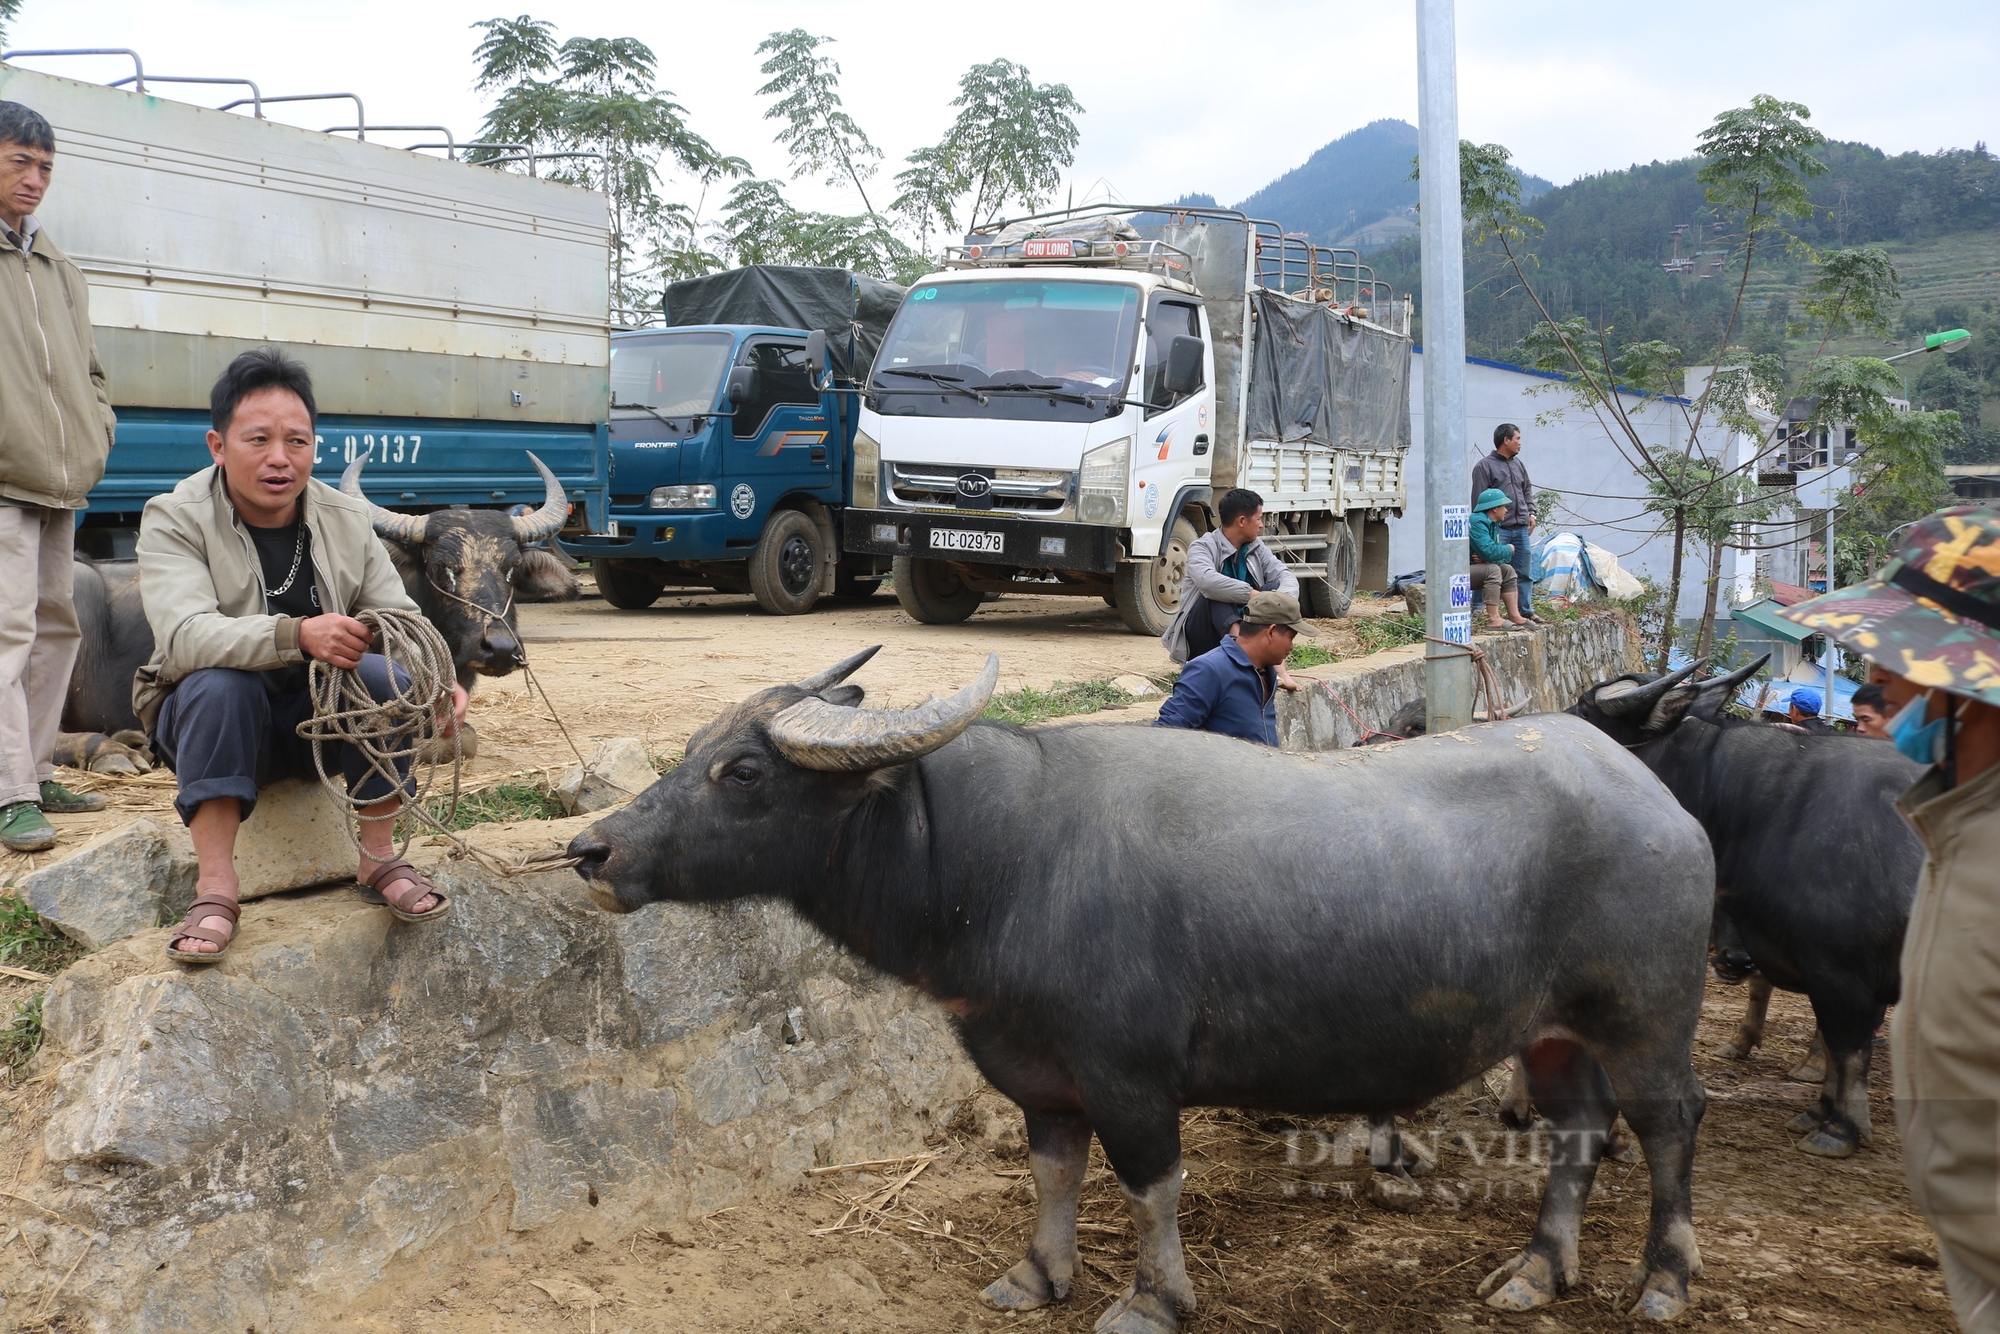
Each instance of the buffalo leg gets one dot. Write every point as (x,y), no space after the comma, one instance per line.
(1840,1123)
(1517,1107)
(1663,1103)
(1145,1152)
(1058,1152)
(1573,1095)
(1811,1068)
(1750,1030)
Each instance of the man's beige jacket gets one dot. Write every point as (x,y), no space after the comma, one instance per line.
(56,424)
(203,587)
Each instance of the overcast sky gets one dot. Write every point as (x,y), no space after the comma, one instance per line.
(1179,94)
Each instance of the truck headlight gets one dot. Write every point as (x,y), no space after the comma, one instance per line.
(867,471)
(1104,482)
(682,498)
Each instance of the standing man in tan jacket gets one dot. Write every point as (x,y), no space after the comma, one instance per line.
(56,430)
(1929,626)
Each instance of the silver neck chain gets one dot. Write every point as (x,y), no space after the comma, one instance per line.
(298,556)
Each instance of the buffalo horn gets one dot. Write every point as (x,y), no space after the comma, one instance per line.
(543,523)
(1735,678)
(839,672)
(1506,711)
(397,527)
(1639,698)
(814,734)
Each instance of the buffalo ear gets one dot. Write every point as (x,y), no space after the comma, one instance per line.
(848,697)
(540,577)
(1673,706)
(408,560)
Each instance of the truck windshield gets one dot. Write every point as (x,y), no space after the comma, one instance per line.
(1030,348)
(668,375)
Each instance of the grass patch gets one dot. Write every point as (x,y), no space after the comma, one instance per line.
(498,804)
(26,941)
(1029,705)
(1310,655)
(22,1037)
(1376,633)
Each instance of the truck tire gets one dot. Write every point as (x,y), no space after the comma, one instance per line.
(789,564)
(1149,591)
(627,587)
(1330,597)
(931,591)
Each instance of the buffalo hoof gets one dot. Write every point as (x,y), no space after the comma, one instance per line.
(1025,1287)
(1656,1304)
(1522,1284)
(1812,1118)
(1659,1295)
(1141,1313)
(1825,1142)
(1737,1048)
(1622,1146)
(1807,1071)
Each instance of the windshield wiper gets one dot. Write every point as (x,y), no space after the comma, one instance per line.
(1044,389)
(690,418)
(954,383)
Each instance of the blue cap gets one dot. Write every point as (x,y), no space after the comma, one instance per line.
(1806,702)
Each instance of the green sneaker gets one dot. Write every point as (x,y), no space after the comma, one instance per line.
(57,798)
(23,828)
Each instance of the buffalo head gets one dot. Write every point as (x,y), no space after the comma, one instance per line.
(467,568)
(762,797)
(1643,706)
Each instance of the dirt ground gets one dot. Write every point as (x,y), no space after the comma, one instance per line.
(1276,1240)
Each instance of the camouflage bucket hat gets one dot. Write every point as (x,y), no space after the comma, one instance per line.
(1932,613)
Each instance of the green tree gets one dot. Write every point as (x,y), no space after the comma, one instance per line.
(1950,388)
(821,137)
(1009,144)
(592,104)
(9,11)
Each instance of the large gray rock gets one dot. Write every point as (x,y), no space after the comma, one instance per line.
(618,770)
(345,1100)
(120,883)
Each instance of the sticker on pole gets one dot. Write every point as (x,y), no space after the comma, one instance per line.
(1458,627)
(1461,593)
(1457,518)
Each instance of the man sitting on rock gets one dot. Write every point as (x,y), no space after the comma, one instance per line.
(247,570)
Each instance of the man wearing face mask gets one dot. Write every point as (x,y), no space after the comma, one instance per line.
(1929,626)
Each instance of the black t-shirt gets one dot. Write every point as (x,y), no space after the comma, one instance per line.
(286,555)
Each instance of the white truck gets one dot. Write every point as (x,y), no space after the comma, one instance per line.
(1063,406)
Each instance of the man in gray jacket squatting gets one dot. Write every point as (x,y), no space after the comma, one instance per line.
(1227,565)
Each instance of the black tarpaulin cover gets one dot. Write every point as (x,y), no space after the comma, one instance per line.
(1321,377)
(852,308)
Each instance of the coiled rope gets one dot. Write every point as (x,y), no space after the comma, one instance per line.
(399,728)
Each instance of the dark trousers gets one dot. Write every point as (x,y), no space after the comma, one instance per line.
(1524,561)
(224,734)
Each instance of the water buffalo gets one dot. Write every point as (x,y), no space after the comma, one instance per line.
(1815,869)
(1127,921)
(465,568)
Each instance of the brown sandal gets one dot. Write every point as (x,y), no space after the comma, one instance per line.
(415,884)
(191,929)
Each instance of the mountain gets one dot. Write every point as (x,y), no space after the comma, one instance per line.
(1359,179)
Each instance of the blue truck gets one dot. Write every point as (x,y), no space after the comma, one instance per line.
(454,317)
(731,440)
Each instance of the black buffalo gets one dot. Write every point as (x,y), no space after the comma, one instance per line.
(1815,869)
(1128,921)
(465,568)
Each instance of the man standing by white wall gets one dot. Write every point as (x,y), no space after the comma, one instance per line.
(1503,470)
(56,429)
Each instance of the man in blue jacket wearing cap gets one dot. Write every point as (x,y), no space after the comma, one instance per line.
(1804,711)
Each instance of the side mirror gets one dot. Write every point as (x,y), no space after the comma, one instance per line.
(742,385)
(1183,375)
(816,353)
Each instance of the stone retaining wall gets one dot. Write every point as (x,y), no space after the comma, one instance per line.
(345,1100)
(1549,666)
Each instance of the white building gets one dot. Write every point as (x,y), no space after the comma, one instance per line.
(1602,494)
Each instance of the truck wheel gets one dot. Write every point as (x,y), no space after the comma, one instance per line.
(1149,591)
(932,592)
(788,566)
(627,587)
(1331,596)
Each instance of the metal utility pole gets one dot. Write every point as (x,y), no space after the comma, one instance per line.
(1447,471)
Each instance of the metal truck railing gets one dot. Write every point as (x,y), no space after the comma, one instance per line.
(258,100)
(1287,262)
